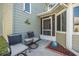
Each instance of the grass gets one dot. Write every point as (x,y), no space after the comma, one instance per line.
(3,46)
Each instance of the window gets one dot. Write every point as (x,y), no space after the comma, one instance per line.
(61,22)
(58,23)
(76,11)
(27,7)
(76,19)
(64,21)
(50,5)
(46,26)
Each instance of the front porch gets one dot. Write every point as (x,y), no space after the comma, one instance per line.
(62,28)
(55,25)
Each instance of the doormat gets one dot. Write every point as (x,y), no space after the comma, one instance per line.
(61,50)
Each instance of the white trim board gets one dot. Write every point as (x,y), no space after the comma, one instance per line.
(46,37)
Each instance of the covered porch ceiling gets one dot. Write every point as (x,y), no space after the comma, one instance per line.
(57,8)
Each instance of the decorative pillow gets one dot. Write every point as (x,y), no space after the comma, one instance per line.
(30,34)
(14,39)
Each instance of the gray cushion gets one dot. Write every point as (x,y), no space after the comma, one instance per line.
(18,48)
(30,34)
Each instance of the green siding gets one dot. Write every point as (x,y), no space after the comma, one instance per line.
(20,16)
(61,39)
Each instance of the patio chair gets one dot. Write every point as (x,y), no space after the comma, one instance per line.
(32,36)
(32,40)
(16,45)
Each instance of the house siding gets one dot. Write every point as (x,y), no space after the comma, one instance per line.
(75,42)
(1,19)
(61,39)
(20,16)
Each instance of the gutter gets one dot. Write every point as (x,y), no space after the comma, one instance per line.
(52,9)
(49,11)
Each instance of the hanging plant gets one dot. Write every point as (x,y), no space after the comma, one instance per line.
(27,22)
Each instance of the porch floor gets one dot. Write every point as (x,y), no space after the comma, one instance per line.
(42,50)
(61,50)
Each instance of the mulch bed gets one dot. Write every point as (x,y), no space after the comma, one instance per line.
(61,50)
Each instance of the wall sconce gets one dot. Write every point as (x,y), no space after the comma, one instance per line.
(27,21)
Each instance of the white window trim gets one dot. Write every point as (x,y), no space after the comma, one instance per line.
(60,21)
(61,32)
(75,33)
(27,11)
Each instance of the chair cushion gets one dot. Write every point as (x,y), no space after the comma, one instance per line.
(14,39)
(28,41)
(30,34)
(18,48)
(35,39)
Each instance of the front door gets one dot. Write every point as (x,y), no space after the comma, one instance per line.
(48,26)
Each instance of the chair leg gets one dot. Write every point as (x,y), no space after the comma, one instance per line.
(29,50)
(24,54)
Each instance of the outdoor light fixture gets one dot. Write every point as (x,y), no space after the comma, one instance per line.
(27,21)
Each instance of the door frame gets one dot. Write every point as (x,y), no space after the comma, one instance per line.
(50,17)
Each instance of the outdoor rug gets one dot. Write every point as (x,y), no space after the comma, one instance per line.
(60,50)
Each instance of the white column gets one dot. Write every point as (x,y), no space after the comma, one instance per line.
(69,27)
